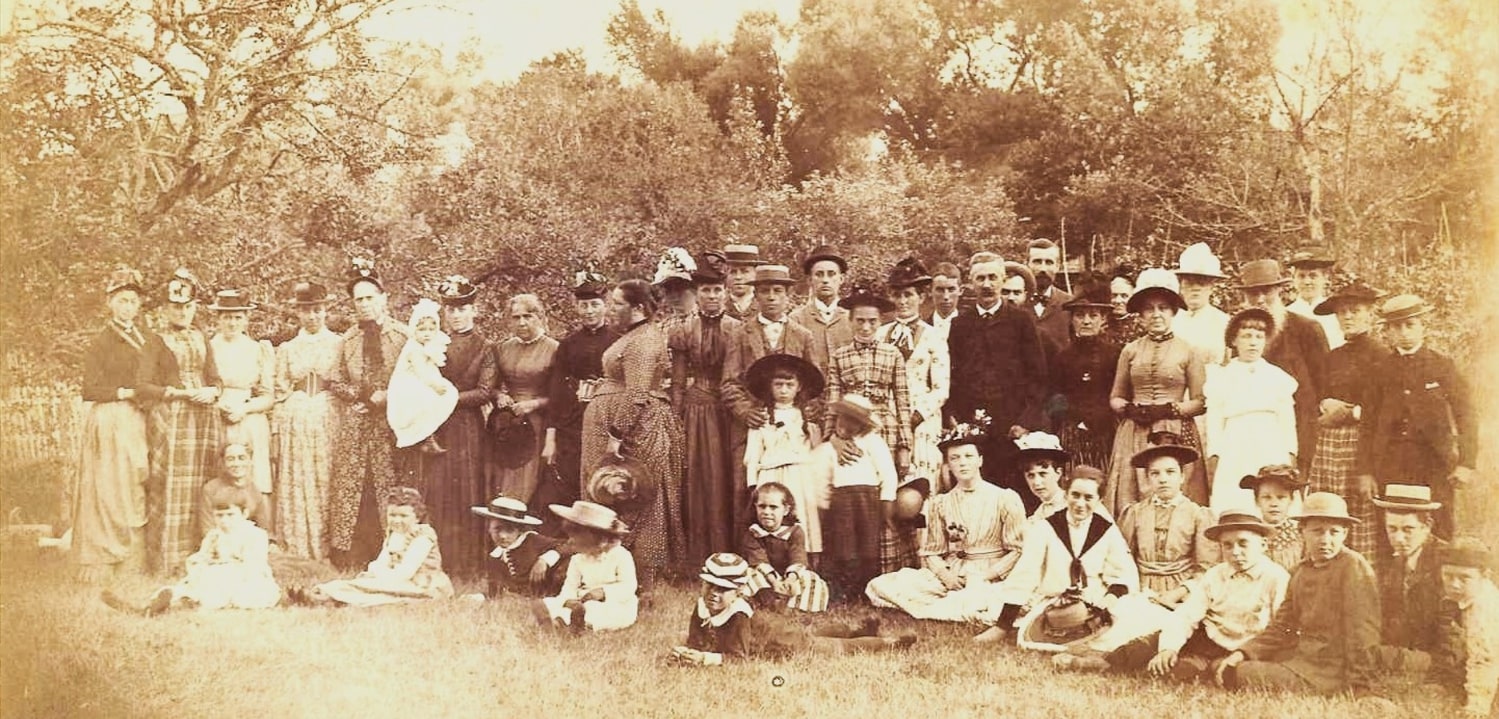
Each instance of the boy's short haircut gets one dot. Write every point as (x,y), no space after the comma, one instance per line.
(947,269)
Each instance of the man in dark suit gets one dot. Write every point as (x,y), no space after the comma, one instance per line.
(998,367)
(1410,573)
(1045,261)
(1419,426)
(1298,346)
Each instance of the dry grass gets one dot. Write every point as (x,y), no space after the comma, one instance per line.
(65,654)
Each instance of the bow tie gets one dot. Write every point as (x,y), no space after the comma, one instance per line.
(863,346)
(1162,503)
(1038,299)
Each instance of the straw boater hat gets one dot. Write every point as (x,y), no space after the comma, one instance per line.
(772,275)
(588,284)
(824,252)
(1283,473)
(1156,282)
(1040,445)
(856,407)
(592,515)
(1355,293)
(1326,505)
(309,294)
(1312,256)
(725,569)
(123,278)
(908,273)
(457,290)
(972,432)
(508,509)
(1198,260)
(231,300)
(1403,307)
(183,287)
(621,482)
(1261,273)
(757,377)
(1234,519)
(742,255)
(1407,498)
(862,296)
(363,270)
(1165,444)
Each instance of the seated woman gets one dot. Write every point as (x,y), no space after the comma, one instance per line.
(725,626)
(599,592)
(408,569)
(1078,553)
(1166,533)
(230,570)
(237,463)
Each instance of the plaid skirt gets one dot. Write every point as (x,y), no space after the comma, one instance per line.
(807,591)
(898,549)
(853,523)
(1332,471)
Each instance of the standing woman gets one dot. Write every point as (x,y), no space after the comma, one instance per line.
(305,424)
(107,501)
(247,371)
(630,416)
(928,367)
(178,378)
(1083,376)
(1123,325)
(456,479)
(1152,381)
(524,363)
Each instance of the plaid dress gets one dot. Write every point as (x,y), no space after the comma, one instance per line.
(184,439)
(1349,368)
(876,370)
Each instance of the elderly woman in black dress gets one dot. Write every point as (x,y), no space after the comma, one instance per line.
(1083,375)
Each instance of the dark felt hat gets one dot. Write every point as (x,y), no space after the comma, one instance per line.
(1095,295)
(708,272)
(309,294)
(758,376)
(1354,293)
(1283,473)
(123,278)
(1312,256)
(621,482)
(457,290)
(1164,444)
(513,439)
(862,296)
(824,252)
(909,272)
(1466,552)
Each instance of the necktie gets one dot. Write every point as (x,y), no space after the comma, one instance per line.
(901,337)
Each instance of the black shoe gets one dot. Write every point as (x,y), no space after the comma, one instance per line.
(160,602)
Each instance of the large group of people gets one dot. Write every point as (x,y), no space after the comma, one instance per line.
(1123,474)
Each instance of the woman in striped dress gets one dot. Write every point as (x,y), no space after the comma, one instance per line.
(107,500)
(178,378)
(305,423)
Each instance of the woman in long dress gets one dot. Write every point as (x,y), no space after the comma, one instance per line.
(180,381)
(305,424)
(630,416)
(247,371)
(107,500)
(524,363)
(1083,375)
(1155,375)
(928,368)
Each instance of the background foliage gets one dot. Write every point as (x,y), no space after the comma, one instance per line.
(261,143)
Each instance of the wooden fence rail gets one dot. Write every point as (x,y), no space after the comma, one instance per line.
(40,423)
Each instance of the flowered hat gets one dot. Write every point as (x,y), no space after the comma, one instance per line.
(123,278)
(909,272)
(362,269)
(183,287)
(1040,445)
(457,290)
(675,267)
(972,432)
(588,284)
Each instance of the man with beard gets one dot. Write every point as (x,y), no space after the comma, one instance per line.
(740,262)
(997,367)
(1297,346)
(576,370)
(1045,261)
(829,324)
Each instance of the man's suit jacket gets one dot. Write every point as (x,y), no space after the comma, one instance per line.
(1419,419)
(747,343)
(1411,616)
(1300,348)
(997,365)
(826,336)
(1054,322)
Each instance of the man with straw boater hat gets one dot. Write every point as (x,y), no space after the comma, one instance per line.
(1410,574)
(1344,397)
(1297,346)
(1324,638)
(1421,426)
(740,262)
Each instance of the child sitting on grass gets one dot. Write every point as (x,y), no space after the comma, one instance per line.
(599,592)
(230,570)
(522,561)
(776,549)
(419,399)
(725,626)
(779,451)
(408,569)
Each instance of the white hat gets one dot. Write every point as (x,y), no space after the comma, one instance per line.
(1198,259)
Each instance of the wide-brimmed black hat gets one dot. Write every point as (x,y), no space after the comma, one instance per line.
(457,290)
(908,273)
(1094,295)
(123,278)
(758,376)
(862,296)
(1165,444)
(588,284)
(1355,293)
(824,252)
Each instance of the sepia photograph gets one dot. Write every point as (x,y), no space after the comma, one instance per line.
(680,358)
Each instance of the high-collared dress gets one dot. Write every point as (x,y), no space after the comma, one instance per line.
(1251,423)
(780,555)
(107,497)
(576,370)
(1167,538)
(456,480)
(1152,371)
(928,373)
(1082,377)
(698,345)
(1349,368)
(305,422)
(757,337)
(184,438)
(523,372)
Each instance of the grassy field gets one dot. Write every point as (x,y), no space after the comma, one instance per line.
(65,654)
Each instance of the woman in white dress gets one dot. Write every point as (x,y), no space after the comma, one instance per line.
(247,369)
(1251,415)
(928,368)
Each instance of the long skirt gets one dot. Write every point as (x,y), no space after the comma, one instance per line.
(1127,485)
(452,483)
(365,451)
(108,495)
(657,539)
(920,594)
(520,482)
(708,487)
(1332,471)
(305,428)
(184,440)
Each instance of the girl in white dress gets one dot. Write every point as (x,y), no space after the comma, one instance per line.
(1251,416)
(247,369)
(419,398)
(781,450)
(599,593)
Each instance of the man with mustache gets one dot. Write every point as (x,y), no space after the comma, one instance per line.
(998,367)
(1044,259)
